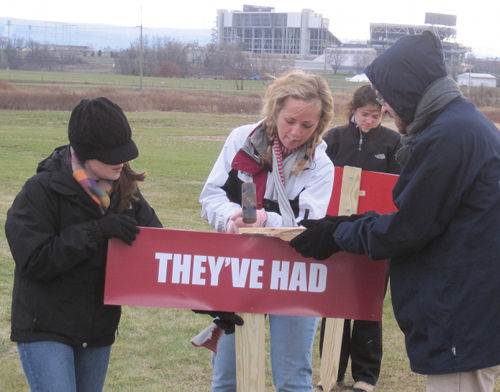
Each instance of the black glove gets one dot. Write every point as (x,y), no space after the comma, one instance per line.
(119,226)
(317,241)
(225,320)
(336,220)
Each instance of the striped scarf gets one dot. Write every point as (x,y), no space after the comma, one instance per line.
(98,191)
(278,188)
(281,152)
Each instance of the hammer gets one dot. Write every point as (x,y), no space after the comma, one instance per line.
(249,202)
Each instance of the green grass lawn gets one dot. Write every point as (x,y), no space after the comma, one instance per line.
(62,79)
(152,351)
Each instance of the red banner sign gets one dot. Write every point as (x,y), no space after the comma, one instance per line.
(228,272)
(218,271)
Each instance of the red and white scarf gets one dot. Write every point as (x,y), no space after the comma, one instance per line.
(281,152)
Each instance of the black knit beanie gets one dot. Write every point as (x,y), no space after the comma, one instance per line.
(98,129)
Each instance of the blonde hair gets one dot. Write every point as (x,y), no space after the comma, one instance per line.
(299,85)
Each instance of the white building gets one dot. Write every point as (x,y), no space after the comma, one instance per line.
(262,30)
(476,79)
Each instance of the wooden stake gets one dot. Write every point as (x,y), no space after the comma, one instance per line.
(349,193)
(332,341)
(250,354)
(250,337)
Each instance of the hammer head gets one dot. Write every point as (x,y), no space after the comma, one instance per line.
(249,202)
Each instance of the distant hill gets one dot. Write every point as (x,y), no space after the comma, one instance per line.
(96,36)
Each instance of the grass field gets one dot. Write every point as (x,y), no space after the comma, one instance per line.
(68,79)
(152,351)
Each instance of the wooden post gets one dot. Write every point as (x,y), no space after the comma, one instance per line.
(349,194)
(250,354)
(250,337)
(332,341)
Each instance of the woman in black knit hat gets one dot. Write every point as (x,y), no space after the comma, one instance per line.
(57,229)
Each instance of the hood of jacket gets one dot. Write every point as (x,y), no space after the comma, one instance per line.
(404,71)
(58,164)
(59,159)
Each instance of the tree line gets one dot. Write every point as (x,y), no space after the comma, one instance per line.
(170,58)
(166,57)
(160,57)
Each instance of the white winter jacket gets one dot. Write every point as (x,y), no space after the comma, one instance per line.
(312,188)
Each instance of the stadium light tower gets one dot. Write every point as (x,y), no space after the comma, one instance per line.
(140,54)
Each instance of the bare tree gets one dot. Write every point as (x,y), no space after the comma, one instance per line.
(161,51)
(241,66)
(335,57)
(12,54)
(266,65)
(362,60)
(229,62)
(41,57)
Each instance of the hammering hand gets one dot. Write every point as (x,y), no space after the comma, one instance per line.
(236,221)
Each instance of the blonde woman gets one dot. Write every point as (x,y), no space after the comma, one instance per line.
(284,155)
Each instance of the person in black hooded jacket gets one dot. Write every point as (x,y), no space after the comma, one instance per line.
(57,229)
(443,240)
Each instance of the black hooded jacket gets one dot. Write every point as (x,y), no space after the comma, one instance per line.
(444,239)
(60,257)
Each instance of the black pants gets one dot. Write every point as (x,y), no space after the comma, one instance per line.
(363,345)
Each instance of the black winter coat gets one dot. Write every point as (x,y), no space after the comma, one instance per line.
(444,240)
(374,150)
(60,257)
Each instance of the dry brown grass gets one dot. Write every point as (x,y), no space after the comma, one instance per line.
(492,113)
(340,101)
(5,85)
(57,98)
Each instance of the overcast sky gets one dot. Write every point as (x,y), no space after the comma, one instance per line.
(477,21)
